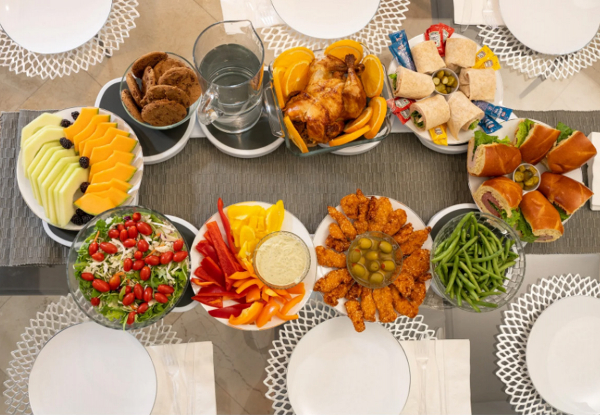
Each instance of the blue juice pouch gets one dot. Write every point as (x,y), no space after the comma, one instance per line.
(401,50)
(489,125)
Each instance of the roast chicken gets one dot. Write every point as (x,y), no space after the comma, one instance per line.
(333,95)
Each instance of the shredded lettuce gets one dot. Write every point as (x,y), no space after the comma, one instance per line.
(394,79)
(414,117)
(563,215)
(523,131)
(525,229)
(565,131)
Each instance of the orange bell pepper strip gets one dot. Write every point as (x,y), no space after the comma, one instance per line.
(196,281)
(253,295)
(248,316)
(284,294)
(290,304)
(267,313)
(270,292)
(240,275)
(287,317)
(240,282)
(251,282)
(297,289)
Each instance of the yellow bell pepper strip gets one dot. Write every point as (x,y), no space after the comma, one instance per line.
(267,313)
(253,281)
(247,316)
(240,282)
(290,304)
(286,317)
(270,292)
(297,289)
(240,275)
(253,294)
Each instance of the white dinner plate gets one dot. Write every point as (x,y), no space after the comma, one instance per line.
(290,224)
(53,26)
(331,19)
(555,27)
(336,370)
(93,370)
(323,231)
(136,180)
(562,355)
(463,136)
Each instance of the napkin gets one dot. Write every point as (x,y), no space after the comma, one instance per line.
(594,173)
(448,378)
(204,379)
(260,12)
(476,15)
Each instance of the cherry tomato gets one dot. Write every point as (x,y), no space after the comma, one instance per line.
(165,289)
(131,318)
(128,299)
(161,298)
(101,285)
(138,255)
(138,265)
(93,248)
(138,291)
(98,256)
(132,231)
(137,216)
(127,290)
(95,301)
(178,245)
(129,223)
(145,273)
(109,248)
(120,227)
(123,235)
(88,276)
(148,294)
(180,256)
(142,308)
(127,264)
(144,228)
(129,243)
(114,282)
(152,260)
(166,257)
(143,245)
(113,234)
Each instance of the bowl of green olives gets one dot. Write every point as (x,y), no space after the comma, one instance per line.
(374,260)
(445,81)
(527,176)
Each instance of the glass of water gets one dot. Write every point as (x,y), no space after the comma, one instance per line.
(229,57)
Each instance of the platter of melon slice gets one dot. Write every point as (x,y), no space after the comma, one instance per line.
(77,163)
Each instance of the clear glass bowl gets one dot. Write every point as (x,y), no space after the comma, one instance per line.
(515,274)
(73,280)
(396,254)
(192,108)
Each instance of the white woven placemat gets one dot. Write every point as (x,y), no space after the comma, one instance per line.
(388,19)
(519,57)
(108,39)
(58,316)
(518,321)
(314,313)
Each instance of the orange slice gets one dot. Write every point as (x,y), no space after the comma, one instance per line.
(293,55)
(341,52)
(372,77)
(346,138)
(360,122)
(294,135)
(295,78)
(379,112)
(278,84)
(346,42)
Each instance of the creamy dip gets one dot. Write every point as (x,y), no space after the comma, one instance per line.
(282,259)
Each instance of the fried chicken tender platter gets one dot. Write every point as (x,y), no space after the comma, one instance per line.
(356,215)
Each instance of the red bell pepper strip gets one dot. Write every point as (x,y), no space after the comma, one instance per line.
(233,310)
(211,301)
(226,225)
(212,269)
(204,276)
(200,283)
(212,290)
(206,249)
(225,257)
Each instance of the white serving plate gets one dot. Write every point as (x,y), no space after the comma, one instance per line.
(290,224)
(559,26)
(323,231)
(53,26)
(335,370)
(136,180)
(562,355)
(83,370)
(463,136)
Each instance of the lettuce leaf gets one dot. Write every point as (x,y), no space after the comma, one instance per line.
(565,131)
(512,221)
(525,229)
(394,79)
(524,127)
(474,125)
(414,117)
(563,215)
(482,138)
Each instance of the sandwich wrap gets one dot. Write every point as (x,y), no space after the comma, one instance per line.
(478,84)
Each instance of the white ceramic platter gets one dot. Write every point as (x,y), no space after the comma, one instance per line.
(559,26)
(331,19)
(136,180)
(323,231)
(83,370)
(463,136)
(290,224)
(53,26)
(335,370)
(562,355)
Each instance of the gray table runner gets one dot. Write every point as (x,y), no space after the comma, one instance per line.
(189,184)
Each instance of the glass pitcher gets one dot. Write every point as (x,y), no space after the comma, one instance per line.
(229,57)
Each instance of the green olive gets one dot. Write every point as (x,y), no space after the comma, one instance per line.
(355,255)
(372,255)
(359,271)
(365,243)
(374,266)
(375,245)
(388,266)
(436,81)
(362,260)
(376,278)
(385,247)
(519,177)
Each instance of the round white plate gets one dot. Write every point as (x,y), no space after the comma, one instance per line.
(562,355)
(323,231)
(450,149)
(90,369)
(463,136)
(290,224)
(136,180)
(559,26)
(335,370)
(53,26)
(331,19)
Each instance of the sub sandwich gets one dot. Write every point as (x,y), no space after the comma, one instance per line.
(540,221)
(534,140)
(488,156)
(571,151)
(566,194)
(500,197)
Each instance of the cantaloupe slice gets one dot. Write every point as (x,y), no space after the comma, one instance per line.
(35,142)
(116,183)
(63,195)
(120,171)
(118,197)
(110,134)
(89,129)
(98,132)
(85,116)
(35,125)
(118,143)
(94,204)
(116,157)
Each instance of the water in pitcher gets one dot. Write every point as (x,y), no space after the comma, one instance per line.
(227,67)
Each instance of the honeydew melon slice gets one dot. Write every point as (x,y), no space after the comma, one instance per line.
(35,142)
(63,195)
(41,121)
(40,162)
(51,178)
(50,208)
(38,176)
